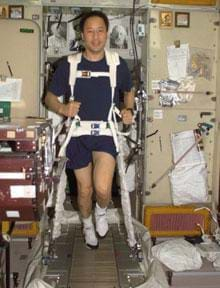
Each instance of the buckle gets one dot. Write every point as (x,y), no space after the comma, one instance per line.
(95,125)
(86,74)
(95,132)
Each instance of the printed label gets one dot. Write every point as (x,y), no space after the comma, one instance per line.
(23,191)
(158,114)
(13,214)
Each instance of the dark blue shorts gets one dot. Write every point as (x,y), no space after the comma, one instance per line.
(79,150)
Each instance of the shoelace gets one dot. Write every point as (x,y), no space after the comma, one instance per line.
(88,228)
(101,214)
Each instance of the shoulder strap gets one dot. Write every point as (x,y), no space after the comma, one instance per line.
(74,60)
(112,60)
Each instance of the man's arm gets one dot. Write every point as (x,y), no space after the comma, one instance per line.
(127,111)
(69,110)
(129,99)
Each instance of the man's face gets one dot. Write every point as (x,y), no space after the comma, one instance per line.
(94,34)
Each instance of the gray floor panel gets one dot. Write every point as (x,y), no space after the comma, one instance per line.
(93,268)
(110,266)
(128,271)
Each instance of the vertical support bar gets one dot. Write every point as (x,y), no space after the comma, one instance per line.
(7,264)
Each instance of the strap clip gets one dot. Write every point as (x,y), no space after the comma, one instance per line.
(85,74)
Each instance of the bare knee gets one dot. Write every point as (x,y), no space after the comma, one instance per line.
(85,192)
(103,193)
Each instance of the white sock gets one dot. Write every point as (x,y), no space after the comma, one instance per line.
(87,222)
(100,210)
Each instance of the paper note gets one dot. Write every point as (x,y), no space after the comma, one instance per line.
(10,89)
(177,61)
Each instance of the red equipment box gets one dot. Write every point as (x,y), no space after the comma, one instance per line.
(23,179)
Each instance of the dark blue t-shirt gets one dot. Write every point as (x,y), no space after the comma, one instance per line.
(93,93)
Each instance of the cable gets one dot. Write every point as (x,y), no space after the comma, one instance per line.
(60,19)
(75,18)
(134,46)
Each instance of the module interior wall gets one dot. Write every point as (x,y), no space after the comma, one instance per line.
(202,33)
(216,173)
(22,51)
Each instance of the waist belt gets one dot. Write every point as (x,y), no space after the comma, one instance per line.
(95,128)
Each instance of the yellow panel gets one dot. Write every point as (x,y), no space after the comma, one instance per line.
(185,2)
(174,211)
(22,229)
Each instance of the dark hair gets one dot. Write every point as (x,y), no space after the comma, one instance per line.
(93,13)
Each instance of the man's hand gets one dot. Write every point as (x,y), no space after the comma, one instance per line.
(70,109)
(127,116)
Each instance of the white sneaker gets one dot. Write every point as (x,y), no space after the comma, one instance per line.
(90,237)
(101,223)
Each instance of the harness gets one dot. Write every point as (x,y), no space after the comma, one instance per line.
(109,127)
(96,128)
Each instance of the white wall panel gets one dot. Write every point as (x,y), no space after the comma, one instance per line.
(22,51)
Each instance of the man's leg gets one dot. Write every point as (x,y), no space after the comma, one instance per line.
(104,166)
(85,189)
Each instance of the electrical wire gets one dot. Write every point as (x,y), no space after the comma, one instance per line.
(75,18)
(60,19)
(134,45)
